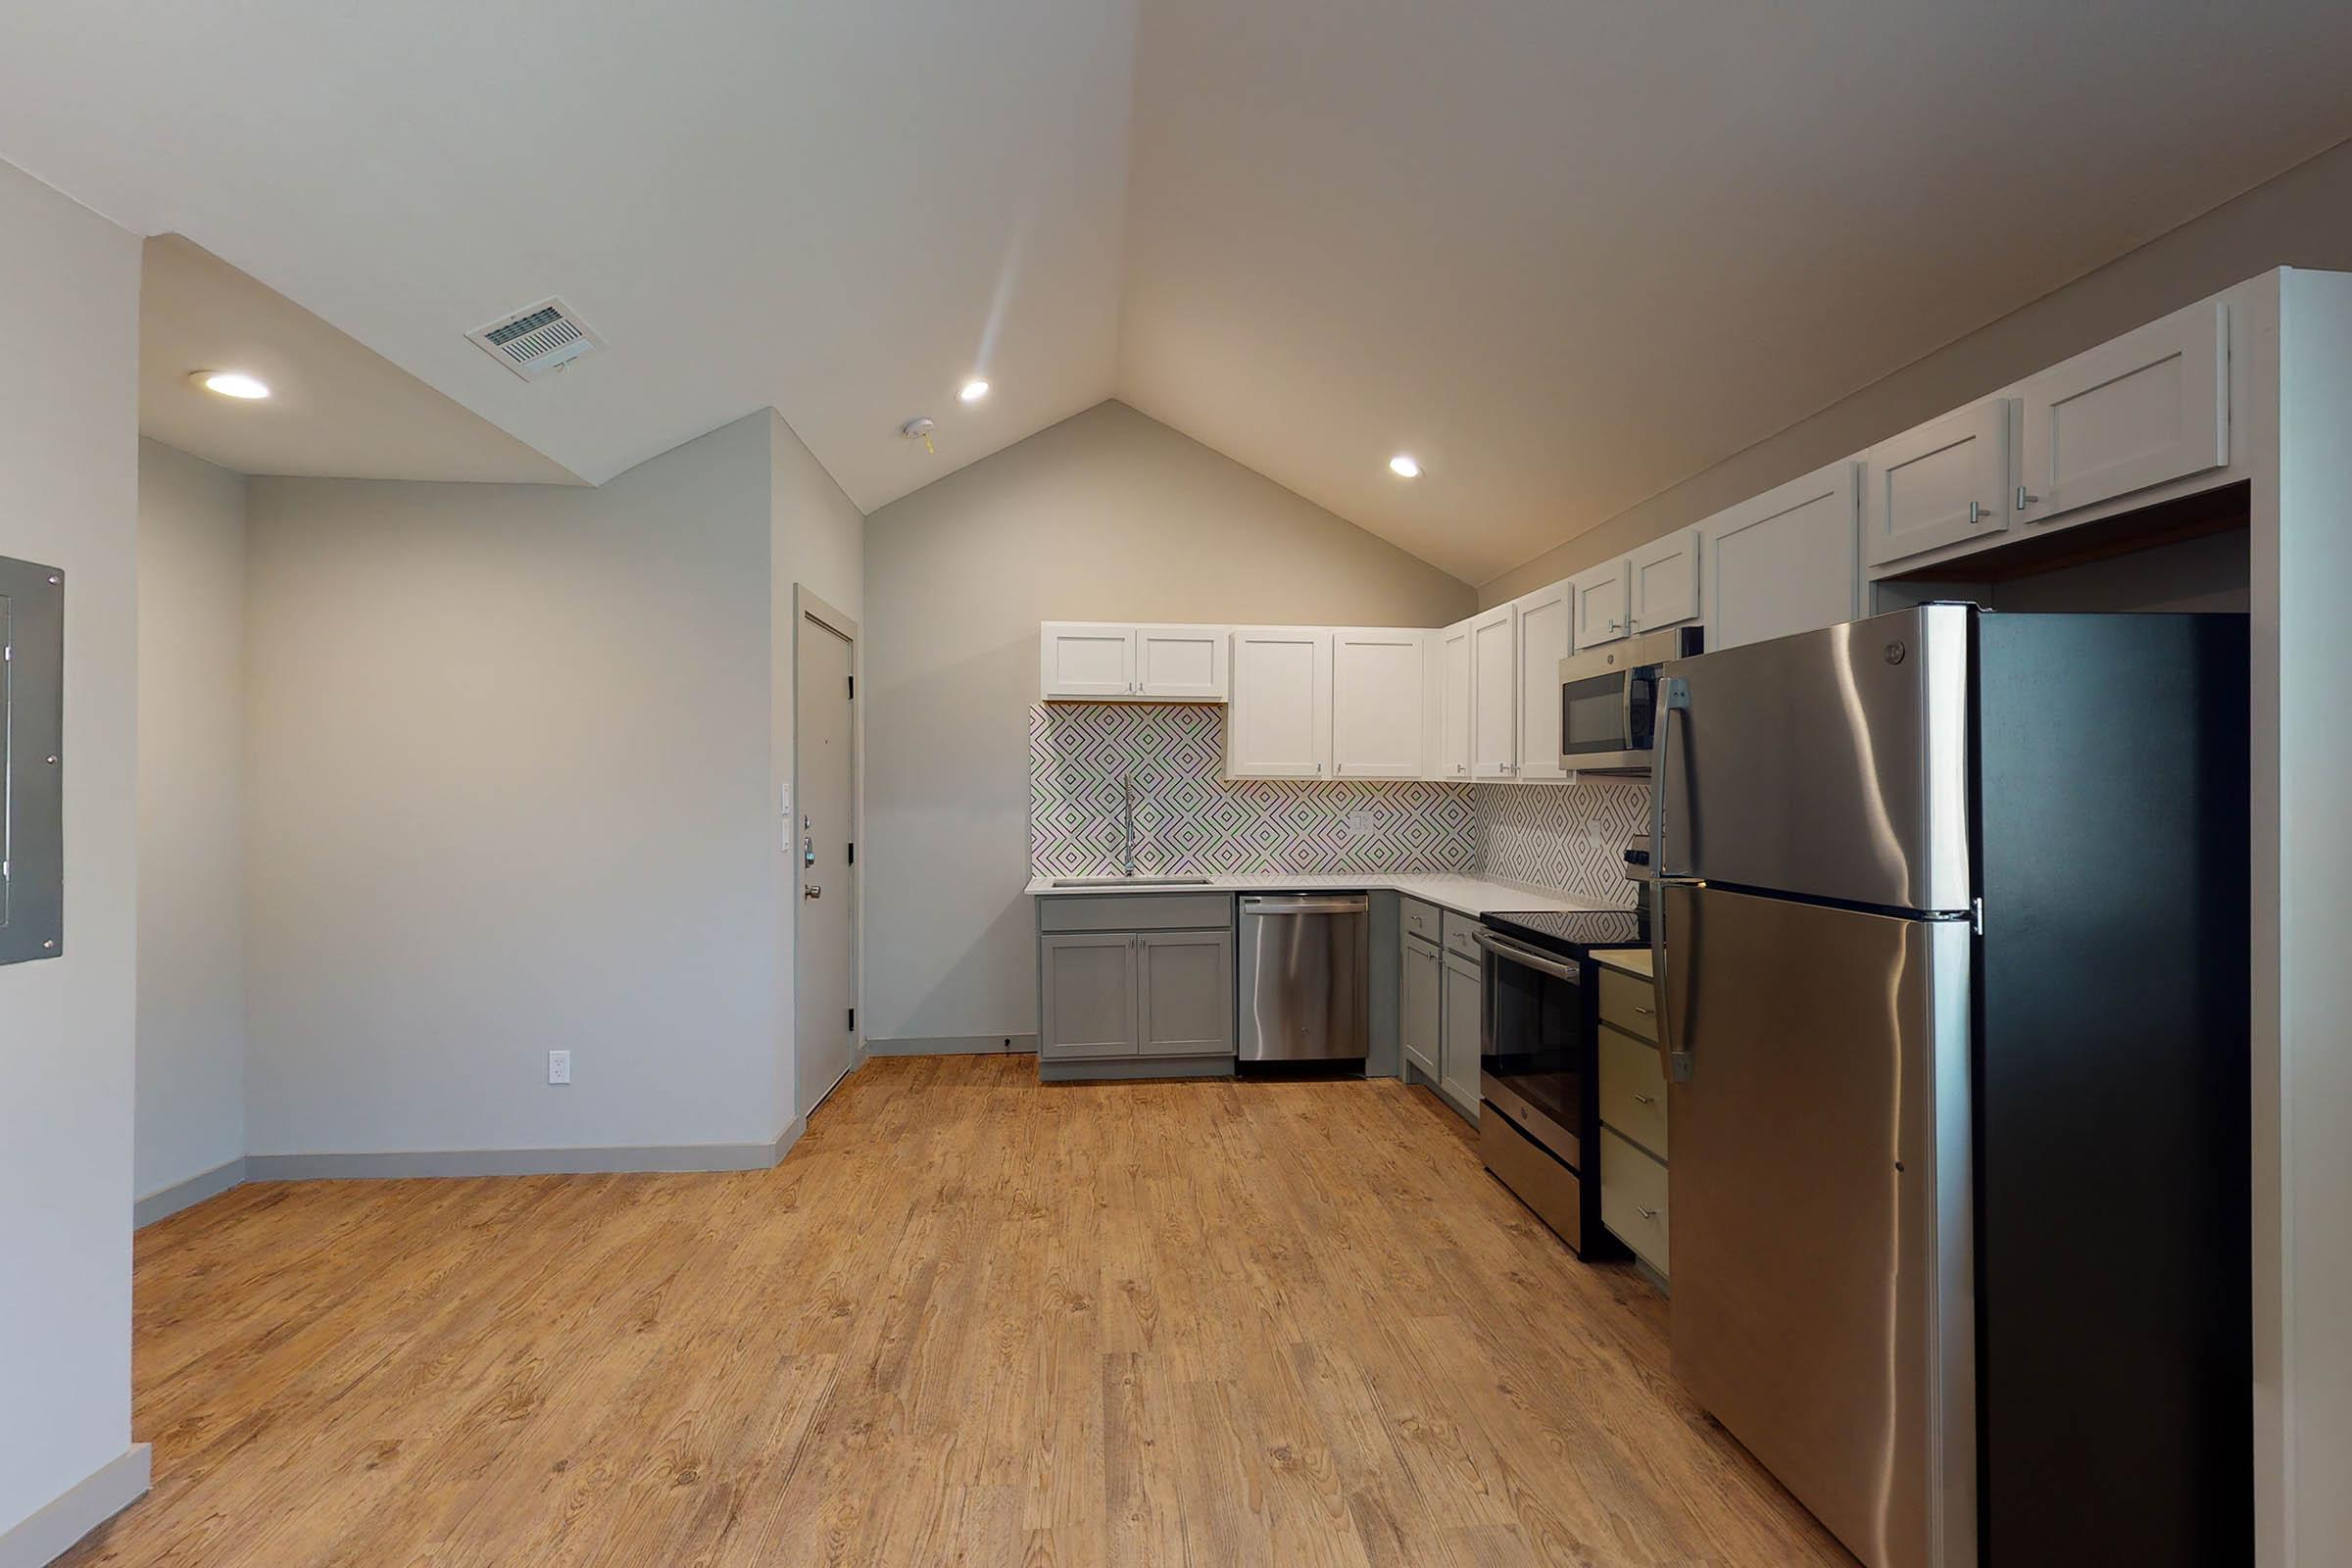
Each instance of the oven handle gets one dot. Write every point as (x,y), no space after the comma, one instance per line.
(1520,952)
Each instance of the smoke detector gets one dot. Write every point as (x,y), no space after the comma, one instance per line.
(537,341)
(919,428)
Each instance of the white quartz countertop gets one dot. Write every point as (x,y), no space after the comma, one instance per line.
(1450,890)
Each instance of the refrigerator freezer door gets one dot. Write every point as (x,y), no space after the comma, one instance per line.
(1823,1301)
(1832,764)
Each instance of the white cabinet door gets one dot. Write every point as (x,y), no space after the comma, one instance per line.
(1180,663)
(1603,601)
(1450,692)
(1421,1019)
(2151,406)
(1495,693)
(1082,660)
(1944,483)
(1664,581)
(1280,723)
(1463,1005)
(1788,561)
(1376,680)
(1543,638)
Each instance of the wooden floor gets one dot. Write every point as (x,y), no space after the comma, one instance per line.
(969,1320)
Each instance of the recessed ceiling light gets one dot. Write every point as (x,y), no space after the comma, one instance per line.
(231,383)
(973,390)
(1405,466)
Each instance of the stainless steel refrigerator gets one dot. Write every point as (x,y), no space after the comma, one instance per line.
(1952,948)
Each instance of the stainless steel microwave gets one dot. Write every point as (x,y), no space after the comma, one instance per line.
(1608,700)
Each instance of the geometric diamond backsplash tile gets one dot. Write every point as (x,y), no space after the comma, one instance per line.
(1192,820)
(1189,819)
(1543,834)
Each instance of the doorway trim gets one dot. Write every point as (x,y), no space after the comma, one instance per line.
(807,607)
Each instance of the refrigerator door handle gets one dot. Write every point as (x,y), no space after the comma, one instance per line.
(1676,1061)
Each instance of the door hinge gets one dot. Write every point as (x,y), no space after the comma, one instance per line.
(853,688)
(853,1020)
(852,851)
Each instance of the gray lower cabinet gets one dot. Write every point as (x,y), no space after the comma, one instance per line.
(1183,994)
(1463,1005)
(1088,990)
(1135,985)
(1421,1018)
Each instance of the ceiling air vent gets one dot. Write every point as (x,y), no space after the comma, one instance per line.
(538,341)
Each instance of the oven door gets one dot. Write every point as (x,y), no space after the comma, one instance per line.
(1532,1043)
(1604,721)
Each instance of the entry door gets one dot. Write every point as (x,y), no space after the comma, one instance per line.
(824,950)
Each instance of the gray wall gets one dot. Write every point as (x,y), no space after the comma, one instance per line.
(2301,218)
(508,767)
(1109,516)
(191,1031)
(68,467)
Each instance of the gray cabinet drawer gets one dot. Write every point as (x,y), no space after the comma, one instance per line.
(1461,936)
(1631,1003)
(1633,1198)
(1633,1089)
(1136,912)
(1423,920)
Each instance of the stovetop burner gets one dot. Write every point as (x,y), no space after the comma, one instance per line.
(1573,933)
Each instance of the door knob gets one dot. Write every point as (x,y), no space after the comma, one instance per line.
(813,891)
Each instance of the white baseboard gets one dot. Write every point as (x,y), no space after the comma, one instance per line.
(403,1166)
(52,1529)
(169,1200)
(954,1046)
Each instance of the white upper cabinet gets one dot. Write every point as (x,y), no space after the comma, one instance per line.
(1664,579)
(1543,642)
(1082,661)
(1946,483)
(1450,692)
(1280,723)
(1376,699)
(1180,663)
(1788,561)
(1602,600)
(1495,693)
(2151,406)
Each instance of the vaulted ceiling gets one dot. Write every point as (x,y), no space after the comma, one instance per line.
(1567,252)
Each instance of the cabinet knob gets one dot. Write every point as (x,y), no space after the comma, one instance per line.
(1645,1213)
(1977,512)
(1644,1100)
(2024,500)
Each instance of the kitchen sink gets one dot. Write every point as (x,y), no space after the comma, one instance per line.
(1131,882)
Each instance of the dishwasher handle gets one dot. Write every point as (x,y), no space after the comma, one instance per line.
(1301,904)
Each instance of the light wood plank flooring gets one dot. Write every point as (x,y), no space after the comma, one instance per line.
(968,1320)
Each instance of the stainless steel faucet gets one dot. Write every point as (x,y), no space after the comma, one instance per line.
(1127,799)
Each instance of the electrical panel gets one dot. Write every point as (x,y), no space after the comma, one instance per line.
(32,859)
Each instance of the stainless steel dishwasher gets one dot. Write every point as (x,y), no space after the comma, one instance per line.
(1306,980)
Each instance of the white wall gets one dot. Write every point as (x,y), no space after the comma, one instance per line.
(68,467)
(191,1029)
(1109,516)
(508,770)
(2301,218)
(816,539)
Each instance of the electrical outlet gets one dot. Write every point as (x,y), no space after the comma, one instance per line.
(1360,823)
(1598,836)
(559,1066)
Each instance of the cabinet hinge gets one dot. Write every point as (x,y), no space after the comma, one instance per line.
(853,1020)
(1975,915)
